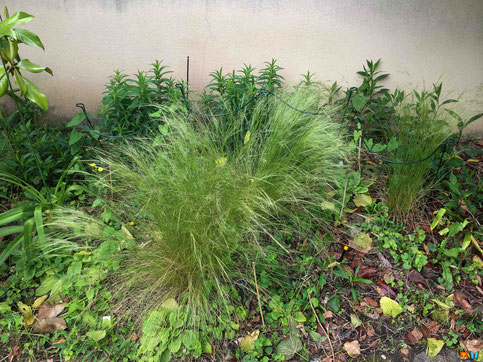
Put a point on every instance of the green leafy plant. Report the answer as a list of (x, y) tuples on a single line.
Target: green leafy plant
[(201, 208), (351, 278), (128, 102), (228, 92), (29, 218), (13, 65)]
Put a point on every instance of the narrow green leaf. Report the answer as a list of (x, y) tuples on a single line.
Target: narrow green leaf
[(3, 84), (449, 101), (10, 247), (472, 119), (438, 217), (20, 82), (466, 241), (39, 223), (18, 18), (5, 30), (27, 233), (454, 115), (14, 215), (9, 230), (32, 67), (36, 96), (27, 37)]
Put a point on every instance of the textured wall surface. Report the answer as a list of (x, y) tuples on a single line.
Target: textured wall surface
[(419, 41)]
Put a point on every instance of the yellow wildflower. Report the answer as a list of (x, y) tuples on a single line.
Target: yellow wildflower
[(92, 164), (100, 169)]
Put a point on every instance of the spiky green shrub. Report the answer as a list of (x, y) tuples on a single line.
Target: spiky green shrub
[(420, 128), (200, 206)]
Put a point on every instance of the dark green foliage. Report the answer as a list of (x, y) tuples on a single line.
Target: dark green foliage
[(128, 102)]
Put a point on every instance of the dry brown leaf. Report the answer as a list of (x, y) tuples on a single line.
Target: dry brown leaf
[(366, 272), (415, 335), (459, 301), (370, 330), (134, 337), (370, 301), (352, 348), (50, 311), (430, 329), (49, 325), (59, 341), (472, 345), (415, 277), (15, 353), (404, 351), (328, 314)]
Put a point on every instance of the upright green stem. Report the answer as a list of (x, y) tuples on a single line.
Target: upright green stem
[(36, 156)]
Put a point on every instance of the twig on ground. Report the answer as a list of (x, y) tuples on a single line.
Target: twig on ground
[(343, 199), (272, 237), (323, 328), (258, 295)]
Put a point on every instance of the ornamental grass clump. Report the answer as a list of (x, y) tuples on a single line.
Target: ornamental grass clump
[(201, 199), (420, 129)]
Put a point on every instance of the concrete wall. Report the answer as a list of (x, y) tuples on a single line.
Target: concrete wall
[(419, 41)]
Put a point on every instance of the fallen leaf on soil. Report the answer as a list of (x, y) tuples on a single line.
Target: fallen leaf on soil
[(134, 337), (49, 325), (477, 259), (366, 272), (370, 330), (362, 200), (352, 348), (430, 329), (247, 342), (28, 316), (370, 301), (390, 307), (39, 301), (415, 277), (14, 354), (50, 311), (384, 290), (328, 314), (355, 321), (384, 262), (415, 335), (410, 308), (459, 301), (472, 345), (404, 351), (47, 321), (361, 242), (434, 347), (374, 344), (59, 341)]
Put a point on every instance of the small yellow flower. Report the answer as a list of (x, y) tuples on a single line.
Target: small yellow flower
[(92, 164), (131, 223), (346, 247), (100, 169)]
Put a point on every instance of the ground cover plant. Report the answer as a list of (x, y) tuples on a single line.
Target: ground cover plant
[(276, 232)]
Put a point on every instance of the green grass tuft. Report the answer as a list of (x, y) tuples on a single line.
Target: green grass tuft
[(201, 199)]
